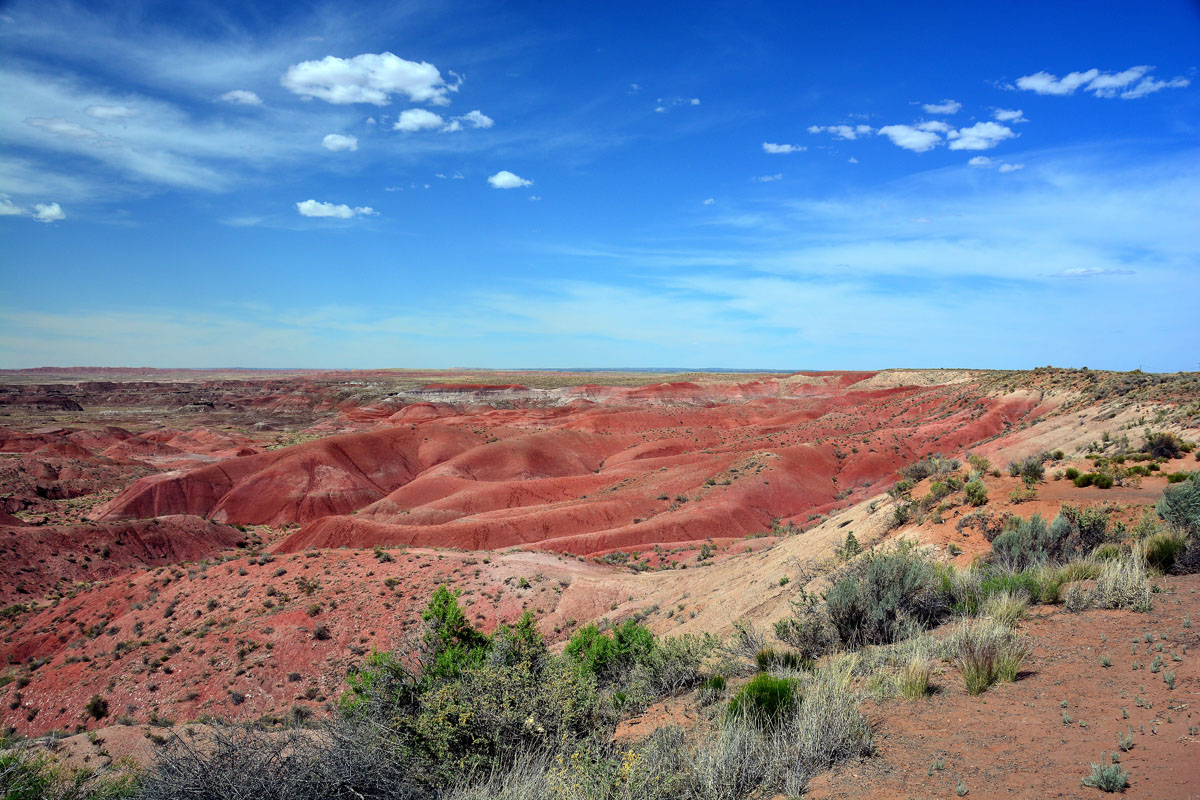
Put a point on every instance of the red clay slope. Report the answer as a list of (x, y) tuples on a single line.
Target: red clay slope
[(294, 484), (37, 559), (647, 465)]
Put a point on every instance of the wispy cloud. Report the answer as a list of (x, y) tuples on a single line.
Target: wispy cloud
[(1128, 84)]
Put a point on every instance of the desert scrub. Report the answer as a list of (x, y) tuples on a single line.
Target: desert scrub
[(885, 596), (1107, 777), (986, 652)]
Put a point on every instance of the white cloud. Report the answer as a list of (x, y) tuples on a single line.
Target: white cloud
[(507, 180), (771, 147), (984, 162), (709, 201), (1045, 83), (1009, 115), (1150, 85), (1128, 84), (337, 142), (695, 101), (911, 138), (533, 198), (64, 128), (842, 131), (944, 107), (934, 125), (368, 78), (315, 208), (1090, 272), (241, 97), (110, 112), (48, 212), (778, 176), (980, 136), (477, 119), (853, 160), (417, 119)]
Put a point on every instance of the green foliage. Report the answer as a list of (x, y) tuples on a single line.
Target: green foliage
[(765, 700), (610, 657), (880, 599), (455, 645), (1071, 473), (934, 465), (976, 492)]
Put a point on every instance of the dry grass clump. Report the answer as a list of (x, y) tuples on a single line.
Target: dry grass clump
[(986, 652), (915, 677), (1006, 607), (1120, 583)]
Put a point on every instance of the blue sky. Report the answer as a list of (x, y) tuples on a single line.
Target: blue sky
[(782, 185)]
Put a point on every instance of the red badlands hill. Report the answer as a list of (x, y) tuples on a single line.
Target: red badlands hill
[(646, 465)]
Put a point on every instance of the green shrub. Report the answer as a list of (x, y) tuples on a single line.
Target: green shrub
[(809, 629), (610, 657), (1179, 506), (1071, 473), (1102, 480), (1084, 479), (976, 492), (97, 707), (1027, 544), (765, 700), (1163, 445), (881, 598), (1107, 778)]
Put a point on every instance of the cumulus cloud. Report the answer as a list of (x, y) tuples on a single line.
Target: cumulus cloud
[(338, 142), (368, 78), (1128, 84), (709, 201), (944, 107), (1009, 115), (934, 125), (474, 119), (110, 112), (241, 97), (417, 119), (778, 176), (315, 208), (911, 138), (981, 161), (507, 180), (980, 136), (663, 105), (771, 147), (1011, 167), (48, 212), (477, 119), (842, 131)]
